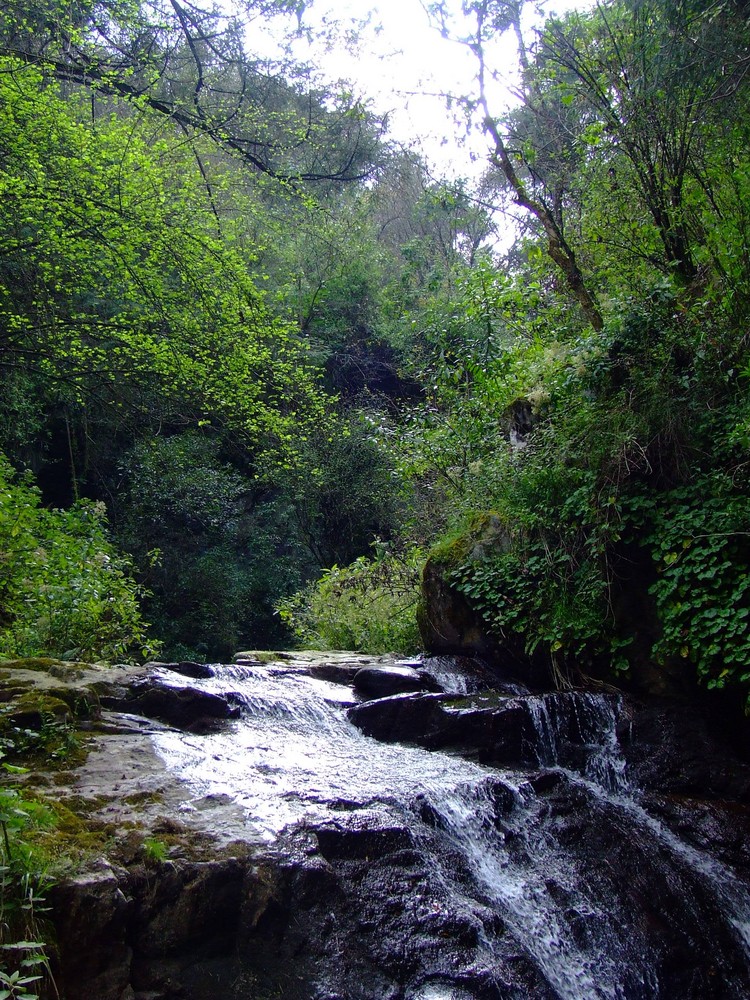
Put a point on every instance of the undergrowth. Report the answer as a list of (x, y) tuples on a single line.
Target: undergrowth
[(369, 606)]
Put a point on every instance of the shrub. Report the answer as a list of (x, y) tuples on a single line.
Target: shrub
[(65, 590), (216, 551), (369, 606)]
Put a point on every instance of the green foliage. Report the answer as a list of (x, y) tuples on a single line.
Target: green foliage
[(116, 292), (699, 541), (65, 590), (23, 957), (216, 551), (543, 582), (369, 606), (155, 849), (54, 739), (344, 487), (617, 422)]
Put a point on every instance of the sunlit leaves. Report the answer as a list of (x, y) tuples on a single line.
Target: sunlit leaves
[(113, 281)]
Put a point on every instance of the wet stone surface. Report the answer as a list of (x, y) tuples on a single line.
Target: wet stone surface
[(486, 845)]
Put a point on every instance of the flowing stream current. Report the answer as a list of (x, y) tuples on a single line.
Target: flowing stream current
[(563, 872)]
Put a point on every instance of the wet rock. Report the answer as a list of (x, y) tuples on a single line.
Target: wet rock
[(187, 668), (381, 681), (471, 884), (718, 827), (92, 946), (377, 924), (183, 707), (499, 733), (447, 622), (669, 746), (462, 675), (543, 729), (171, 932), (361, 842), (337, 673)]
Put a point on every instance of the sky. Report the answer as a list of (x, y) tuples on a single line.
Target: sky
[(404, 66)]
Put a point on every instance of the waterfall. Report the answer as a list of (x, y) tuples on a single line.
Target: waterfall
[(538, 848)]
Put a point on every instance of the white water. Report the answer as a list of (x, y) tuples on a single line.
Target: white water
[(295, 757)]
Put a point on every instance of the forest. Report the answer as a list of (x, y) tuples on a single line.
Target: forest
[(374, 542), (260, 366)]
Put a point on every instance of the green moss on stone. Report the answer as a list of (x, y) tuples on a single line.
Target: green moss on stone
[(479, 532)]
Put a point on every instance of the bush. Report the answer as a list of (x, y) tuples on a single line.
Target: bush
[(65, 590), (698, 540), (369, 606), (216, 552)]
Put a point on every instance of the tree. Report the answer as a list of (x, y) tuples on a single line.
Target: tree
[(650, 75), (620, 114), (188, 64), (491, 18), (116, 294)]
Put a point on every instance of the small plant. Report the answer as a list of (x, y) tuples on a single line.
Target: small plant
[(154, 849), (18, 985), (23, 960)]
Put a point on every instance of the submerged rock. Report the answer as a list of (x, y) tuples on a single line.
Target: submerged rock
[(188, 668)]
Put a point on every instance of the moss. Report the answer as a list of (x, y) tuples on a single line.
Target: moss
[(32, 663), (12, 688), (58, 840), (83, 704), (136, 798), (38, 704), (479, 531), (263, 655), (488, 699), (44, 664)]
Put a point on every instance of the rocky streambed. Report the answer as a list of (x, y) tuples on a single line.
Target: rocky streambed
[(335, 827)]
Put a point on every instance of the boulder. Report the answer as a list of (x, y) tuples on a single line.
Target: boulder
[(558, 728), (188, 668), (448, 622), (183, 707), (380, 681)]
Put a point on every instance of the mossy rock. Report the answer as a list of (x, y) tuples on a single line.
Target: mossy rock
[(448, 621), (83, 704), (33, 708), (62, 669), (263, 655), (484, 534), (11, 688), (69, 838)]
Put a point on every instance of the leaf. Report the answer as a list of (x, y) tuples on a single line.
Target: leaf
[(23, 945)]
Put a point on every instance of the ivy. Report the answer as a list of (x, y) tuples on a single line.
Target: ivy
[(699, 539)]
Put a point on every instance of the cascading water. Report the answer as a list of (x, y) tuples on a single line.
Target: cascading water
[(539, 850)]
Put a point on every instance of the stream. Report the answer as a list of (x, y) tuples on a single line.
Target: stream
[(544, 878)]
